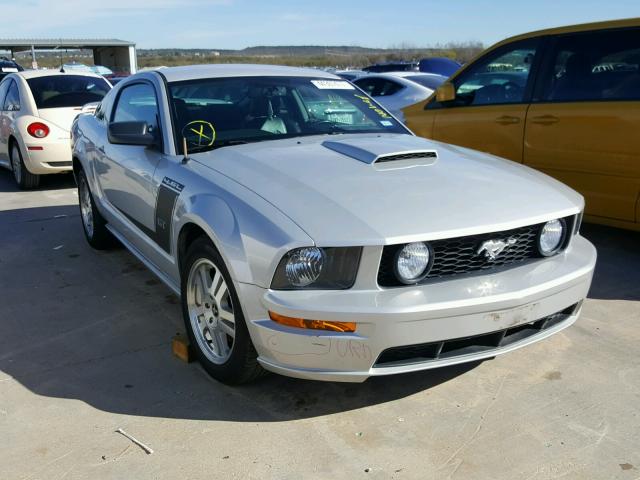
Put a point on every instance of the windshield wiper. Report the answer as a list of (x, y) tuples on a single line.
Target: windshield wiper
[(227, 143), (223, 143)]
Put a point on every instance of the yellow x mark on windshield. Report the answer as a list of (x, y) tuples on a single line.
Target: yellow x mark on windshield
[(201, 134), (194, 133)]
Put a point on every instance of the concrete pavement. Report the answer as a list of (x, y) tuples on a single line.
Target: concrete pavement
[(85, 349)]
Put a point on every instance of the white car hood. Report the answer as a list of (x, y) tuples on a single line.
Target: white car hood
[(339, 200)]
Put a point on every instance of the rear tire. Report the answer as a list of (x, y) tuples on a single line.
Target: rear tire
[(23, 177), (213, 317), (93, 223)]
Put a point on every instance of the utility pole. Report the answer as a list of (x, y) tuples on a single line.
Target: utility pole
[(34, 62)]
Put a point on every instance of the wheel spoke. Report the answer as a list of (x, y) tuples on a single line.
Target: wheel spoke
[(228, 316), (214, 285), (221, 343), (221, 292), (204, 284), (225, 328)]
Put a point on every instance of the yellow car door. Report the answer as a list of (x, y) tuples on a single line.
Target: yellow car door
[(584, 121), (490, 104)]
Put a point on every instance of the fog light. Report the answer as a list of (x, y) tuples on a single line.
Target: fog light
[(412, 262), (551, 237)]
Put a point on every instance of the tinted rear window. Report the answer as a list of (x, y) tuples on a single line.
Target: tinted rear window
[(58, 91), (429, 81), (595, 66)]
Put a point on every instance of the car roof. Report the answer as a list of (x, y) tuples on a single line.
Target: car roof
[(27, 74), (408, 74), (395, 75), (194, 72), (583, 27), (400, 79)]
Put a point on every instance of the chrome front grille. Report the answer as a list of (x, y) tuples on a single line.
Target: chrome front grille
[(458, 256)]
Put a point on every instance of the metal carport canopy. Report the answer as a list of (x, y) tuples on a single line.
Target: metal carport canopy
[(118, 55)]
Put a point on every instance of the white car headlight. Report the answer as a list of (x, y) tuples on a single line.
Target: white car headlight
[(412, 262), (304, 266), (551, 237), (314, 268)]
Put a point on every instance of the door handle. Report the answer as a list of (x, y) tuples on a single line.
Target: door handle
[(101, 148), (507, 120), (545, 119)]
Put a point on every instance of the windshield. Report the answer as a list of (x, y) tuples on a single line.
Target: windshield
[(212, 113), (429, 81), (59, 91)]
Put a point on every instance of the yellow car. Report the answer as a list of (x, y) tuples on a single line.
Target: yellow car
[(565, 101)]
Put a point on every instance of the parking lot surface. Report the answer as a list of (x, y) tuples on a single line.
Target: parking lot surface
[(85, 349)]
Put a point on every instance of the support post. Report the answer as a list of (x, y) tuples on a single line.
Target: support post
[(34, 62)]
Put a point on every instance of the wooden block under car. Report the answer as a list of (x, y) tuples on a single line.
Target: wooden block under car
[(181, 348)]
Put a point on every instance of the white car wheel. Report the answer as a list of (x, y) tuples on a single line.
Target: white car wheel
[(213, 317), (24, 178), (93, 224)]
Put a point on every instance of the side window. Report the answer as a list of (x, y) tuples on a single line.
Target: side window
[(367, 84), (378, 87), (499, 78), (137, 103), (4, 86), (594, 66), (12, 100), (388, 87)]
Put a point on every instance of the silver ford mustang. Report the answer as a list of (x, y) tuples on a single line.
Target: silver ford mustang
[(309, 233)]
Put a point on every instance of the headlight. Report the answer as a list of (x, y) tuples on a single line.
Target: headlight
[(304, 266), (317, 268), (412, 262), (551, 237)]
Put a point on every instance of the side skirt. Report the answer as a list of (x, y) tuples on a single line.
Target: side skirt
[(136, 253)]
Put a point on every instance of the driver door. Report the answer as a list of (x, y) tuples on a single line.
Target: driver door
[(492, 98), (126, 171)]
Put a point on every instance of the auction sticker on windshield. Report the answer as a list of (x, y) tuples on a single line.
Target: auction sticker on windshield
[(332, 85)]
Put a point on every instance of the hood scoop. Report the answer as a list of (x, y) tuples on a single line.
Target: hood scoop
[(386, 152), (419, 155)]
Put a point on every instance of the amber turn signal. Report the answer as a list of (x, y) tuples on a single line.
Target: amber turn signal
[(312, 324)]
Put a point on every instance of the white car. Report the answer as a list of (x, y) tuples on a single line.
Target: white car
[(308, 232), (37, 109), (398, 90)]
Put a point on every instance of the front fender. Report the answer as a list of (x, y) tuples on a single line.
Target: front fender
[(250, 234)]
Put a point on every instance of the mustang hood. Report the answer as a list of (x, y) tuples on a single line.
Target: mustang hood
[(385, 189)]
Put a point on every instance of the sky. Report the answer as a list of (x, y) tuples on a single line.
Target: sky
[(235, 24)]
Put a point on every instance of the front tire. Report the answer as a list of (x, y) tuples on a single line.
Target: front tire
[(213, 317), (23, 177), (93, 224)]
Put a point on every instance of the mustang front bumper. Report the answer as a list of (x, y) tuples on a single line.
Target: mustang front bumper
[(420, 327)]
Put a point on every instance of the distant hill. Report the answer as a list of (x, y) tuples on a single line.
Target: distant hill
[(309, 50), (335, 56)]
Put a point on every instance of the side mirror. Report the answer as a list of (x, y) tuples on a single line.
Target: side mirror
[(446, 93), (130, 133), (89, 107)]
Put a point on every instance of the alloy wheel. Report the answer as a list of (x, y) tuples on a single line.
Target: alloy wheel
[(85, 207), (211, 311), (15, 164)]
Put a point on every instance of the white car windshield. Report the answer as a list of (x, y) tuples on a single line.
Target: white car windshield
[(211, 113)]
